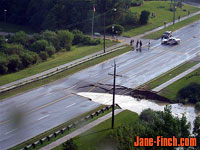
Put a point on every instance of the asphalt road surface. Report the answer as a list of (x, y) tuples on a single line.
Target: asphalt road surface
[(53, 104)]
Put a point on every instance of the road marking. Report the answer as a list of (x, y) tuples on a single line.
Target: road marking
[(70, 105), (10, 131), (72, 87), (21, 105), (43, 117)]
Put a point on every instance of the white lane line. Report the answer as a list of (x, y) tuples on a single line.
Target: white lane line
[(70, 105), (21, 105), (10, 131), (72, 87), (43, 117)]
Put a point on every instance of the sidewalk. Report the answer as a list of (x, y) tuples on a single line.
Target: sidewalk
[(124, 40), (164, 85), (80, 130)]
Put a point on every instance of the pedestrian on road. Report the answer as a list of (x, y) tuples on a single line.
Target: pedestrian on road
[(188, 12), (140, 43), (137, 45), (149, 43), (131, 42), (179, 17)]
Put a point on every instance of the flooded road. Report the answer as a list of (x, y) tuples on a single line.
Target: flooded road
[(132, 104)]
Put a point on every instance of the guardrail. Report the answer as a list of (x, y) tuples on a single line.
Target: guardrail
[(67, 128), (58, 70)]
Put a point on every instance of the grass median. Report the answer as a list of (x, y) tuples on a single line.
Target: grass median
[(51, 131), (58, 59), (163, 13), (95, 137), (63, 74), (158, 34), (172, 90), (168, 75)]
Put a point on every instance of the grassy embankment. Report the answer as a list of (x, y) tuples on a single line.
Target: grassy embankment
[(163, 13), (63, 74), (158, 34), (56, 60), (96, 136), (172, 90)]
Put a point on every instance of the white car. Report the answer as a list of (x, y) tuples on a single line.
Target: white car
[(171, 41)]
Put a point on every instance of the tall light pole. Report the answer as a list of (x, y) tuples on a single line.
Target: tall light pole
[(104, 32), (93, 20), (174, 9), (5, 11)]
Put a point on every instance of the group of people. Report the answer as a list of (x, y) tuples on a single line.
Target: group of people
[(138, 45)]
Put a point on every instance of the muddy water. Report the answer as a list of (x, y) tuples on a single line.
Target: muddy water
[(132, 104)]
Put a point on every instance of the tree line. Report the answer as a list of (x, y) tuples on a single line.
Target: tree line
[(20, 50), (68, 14)]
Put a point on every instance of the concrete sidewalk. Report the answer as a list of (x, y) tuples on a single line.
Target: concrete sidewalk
[(164, 85), (80, 130), (125, 40)]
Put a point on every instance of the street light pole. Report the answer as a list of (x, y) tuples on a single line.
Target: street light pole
[(5, 11), (104, 29), (174, 13)]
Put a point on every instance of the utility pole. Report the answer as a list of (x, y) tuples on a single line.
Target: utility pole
[(104, 35), (104, 27), (174, 9), (5, 11), (93, 21), (113, 105)]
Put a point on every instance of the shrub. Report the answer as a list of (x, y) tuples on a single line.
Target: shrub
[(137, 2), (88, 41), (43, 55), (78, 37), (14, 63), (197, 106), (28, 58), (50, 50), (39, 45), (144, 17), (70, 145), (117, 29), (11, 49), (3, 65), (19, 37), (65, 38), (191, 93)]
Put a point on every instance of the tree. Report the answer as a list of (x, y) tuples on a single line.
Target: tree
[(184, 127), (144, 17), (13, 48), (147, 115), (28, 58), (70, 145), (78, 37), (39, 45), (196, 130), (65, 38)]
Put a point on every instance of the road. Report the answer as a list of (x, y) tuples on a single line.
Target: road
[(55, 103)]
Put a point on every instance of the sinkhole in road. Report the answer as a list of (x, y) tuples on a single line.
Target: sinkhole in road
[(138, 105)]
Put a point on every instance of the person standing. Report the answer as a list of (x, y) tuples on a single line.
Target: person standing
[(137, 45), (149, 44)]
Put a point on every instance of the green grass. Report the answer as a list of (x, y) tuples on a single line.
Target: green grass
[(8, 27), (62, 74), (172, 90), (168, 75), (93, 137), (51, 131), (58, 59), (158, 34), (163, 13)]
